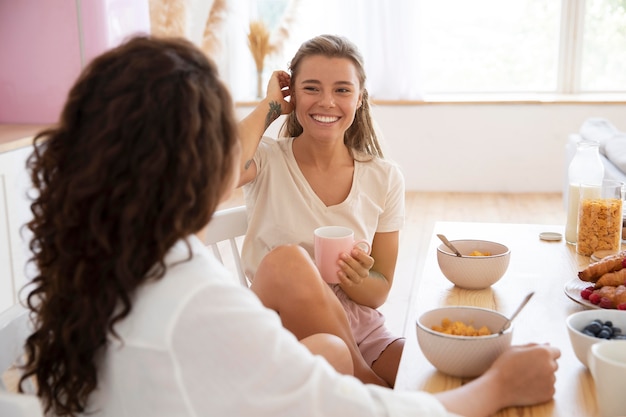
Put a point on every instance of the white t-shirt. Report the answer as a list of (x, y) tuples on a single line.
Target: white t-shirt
[(198, 344), (283, 208)]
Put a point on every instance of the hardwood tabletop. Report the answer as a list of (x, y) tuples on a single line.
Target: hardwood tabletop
[(536, 265)]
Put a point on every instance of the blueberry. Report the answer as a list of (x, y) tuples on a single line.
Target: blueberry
[(603, 329), (594, 327)]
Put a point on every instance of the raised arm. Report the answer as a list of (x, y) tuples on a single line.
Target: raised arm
[(252, 127)]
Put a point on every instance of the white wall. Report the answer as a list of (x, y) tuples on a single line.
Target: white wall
[(482, 147), (14, 213)]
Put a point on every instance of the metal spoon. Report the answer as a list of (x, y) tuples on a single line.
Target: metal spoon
[(448, 244), (508, 322)]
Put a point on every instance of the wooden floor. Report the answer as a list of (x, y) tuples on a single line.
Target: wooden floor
[(424, 209)]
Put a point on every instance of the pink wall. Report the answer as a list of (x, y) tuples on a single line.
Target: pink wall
[(44, 44)]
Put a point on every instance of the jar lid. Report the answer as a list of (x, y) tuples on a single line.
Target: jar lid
[(552, 236), (601, 254)]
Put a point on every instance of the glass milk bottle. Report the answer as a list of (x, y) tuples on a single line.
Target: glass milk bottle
[(586, 167)]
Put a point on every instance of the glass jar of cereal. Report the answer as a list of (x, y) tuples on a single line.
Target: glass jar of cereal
[(600, 218)]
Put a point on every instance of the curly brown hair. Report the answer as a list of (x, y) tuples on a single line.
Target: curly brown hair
[(361, 135), (142, 154)]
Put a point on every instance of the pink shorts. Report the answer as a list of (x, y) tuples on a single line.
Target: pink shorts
[(367, 325)]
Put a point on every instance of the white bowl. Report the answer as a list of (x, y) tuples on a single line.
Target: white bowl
[(576, 322), (462, 356), (473, 272)]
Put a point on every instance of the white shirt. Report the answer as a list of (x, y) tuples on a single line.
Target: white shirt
[(197, 344), (283, 208)]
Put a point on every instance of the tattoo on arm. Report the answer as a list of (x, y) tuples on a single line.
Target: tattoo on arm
[(274, 112)]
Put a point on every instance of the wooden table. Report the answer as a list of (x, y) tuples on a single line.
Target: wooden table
[(536, 265)]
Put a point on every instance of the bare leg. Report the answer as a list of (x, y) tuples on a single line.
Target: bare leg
[(386, 366), (288, 282), (333, 349)]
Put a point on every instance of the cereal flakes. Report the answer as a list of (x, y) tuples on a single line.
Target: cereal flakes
[(599, 225)]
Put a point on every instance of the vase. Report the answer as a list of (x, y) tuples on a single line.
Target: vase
[(259, 84)]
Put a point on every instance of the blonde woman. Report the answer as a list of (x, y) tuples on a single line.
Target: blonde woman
[(328, 169)]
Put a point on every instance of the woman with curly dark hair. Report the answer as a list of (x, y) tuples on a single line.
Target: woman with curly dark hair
[(133, 315), (131, 312), (140, 159)]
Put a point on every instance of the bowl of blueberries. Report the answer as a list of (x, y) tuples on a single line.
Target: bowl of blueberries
[(588, 327)]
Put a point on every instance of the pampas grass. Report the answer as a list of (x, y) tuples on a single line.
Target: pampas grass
[(280, 34), (211, 43), (263, 43), (168, 17), (259, 43)]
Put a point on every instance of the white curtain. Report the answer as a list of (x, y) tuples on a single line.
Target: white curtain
[(385, 32)]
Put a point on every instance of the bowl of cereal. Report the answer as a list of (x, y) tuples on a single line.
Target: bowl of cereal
[(462, 341), (588, 327), (481, 265)]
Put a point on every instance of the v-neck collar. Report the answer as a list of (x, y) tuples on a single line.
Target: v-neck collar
[(300, 174)]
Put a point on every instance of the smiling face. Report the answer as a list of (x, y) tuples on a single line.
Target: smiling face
[(326, 93)]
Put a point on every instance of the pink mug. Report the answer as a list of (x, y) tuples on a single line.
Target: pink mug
[(330, 242)]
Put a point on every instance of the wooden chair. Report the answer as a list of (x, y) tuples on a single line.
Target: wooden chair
[(225, 229), (19, 405), (14, 329)]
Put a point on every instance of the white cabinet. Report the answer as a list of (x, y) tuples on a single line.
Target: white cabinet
[(6, 284), (14, 214)]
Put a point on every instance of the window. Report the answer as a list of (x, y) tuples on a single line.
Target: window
[(604, 46), (418, 48), (489, 46)]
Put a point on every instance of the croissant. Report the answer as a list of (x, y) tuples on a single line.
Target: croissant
[(594, 271), (612, 279), (611, 297)]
